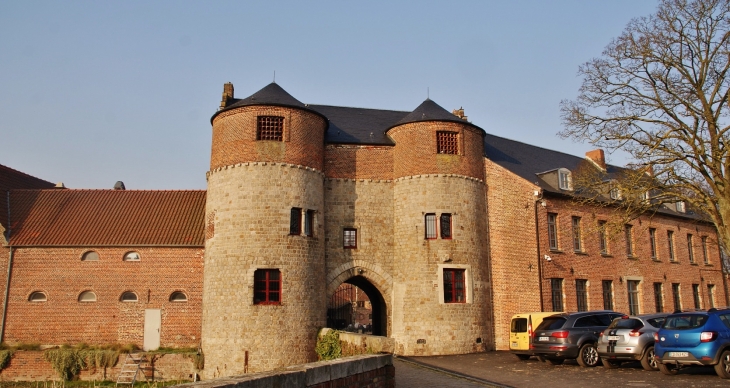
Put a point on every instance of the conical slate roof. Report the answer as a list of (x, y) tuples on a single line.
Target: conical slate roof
[(431, 111), (271, 94)]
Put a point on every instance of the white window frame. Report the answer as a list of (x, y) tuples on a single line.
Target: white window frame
[(565, 180), (469, 283)]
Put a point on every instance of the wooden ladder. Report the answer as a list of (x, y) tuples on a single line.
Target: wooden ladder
[(131, 369)]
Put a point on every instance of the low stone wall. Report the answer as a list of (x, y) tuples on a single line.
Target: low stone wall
[(367, 370), (26, 365), (354, 343)]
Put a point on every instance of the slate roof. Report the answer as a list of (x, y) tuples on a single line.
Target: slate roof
[(271, 94), (107, 218), (14, 179), (431, 111), (358, 125)]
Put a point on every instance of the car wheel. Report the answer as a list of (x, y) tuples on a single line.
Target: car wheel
[(555, 361), (608, 364), (588, 355), (669, 369), (648, 362), (723, 367), (523, 357)]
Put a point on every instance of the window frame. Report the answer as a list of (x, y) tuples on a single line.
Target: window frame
[(581, 294), (629, 237), (91, 253), (129, 256), (602, 238), (266, 289), (445, 226), (677, 294), (452, 291), (266, 128), (136, 297), (552, 229), (565, 180), (172, 298), (31, 298), (705, 256), (634, 298), (87, 292), (556, 292), (652, 243), (447, 142), (577, 235), (308, 223), (432, 232), (670, 245), (295, 221), (659, 297), (607, 286), (711, 295), (697, 298), (353, 239), (690, 248)]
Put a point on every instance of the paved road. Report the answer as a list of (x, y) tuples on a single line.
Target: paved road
[(504, 369)]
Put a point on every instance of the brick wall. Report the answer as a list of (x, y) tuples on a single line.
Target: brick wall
[(358, 162), (234, 138), (512, 247), (62, 276)]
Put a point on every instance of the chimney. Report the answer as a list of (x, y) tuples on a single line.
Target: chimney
[(597, 157), (60, 185), (119, 185), (227, 94), (459, 113)]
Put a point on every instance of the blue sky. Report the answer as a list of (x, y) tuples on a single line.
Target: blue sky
[(96, 92)]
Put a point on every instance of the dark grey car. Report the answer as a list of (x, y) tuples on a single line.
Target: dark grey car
[(572, 335)]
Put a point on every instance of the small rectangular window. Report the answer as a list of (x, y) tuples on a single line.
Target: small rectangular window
[(295, 221), (602, 239), (309, 223), (267, 286), (607, 294), (690, 249), (677, 297), (349, 238), (445, 226), (454, 285), (447, 142), (552, 224), (659, 297), (633, 288), (704, 250), (270, 128), (652, 242), (581, 293), (670, 242), (576, 235), (711, 295), (430, 226), (556, 291), (696, 296), (629, 241)]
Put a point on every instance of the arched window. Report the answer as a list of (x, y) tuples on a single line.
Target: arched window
[(90, 256), (128, 296), (87, 296), (178, 296), (37, 296), (131, 256), (564, 179)]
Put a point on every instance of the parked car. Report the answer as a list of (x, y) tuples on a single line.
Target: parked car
[(694, 338), (630, 338), (521, 330), (572, 335)]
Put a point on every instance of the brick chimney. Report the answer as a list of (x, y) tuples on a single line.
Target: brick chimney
[(227, 94), (598, 158), (459, 113)]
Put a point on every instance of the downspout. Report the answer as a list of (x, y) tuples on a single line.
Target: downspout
[(537, 239), (7, 279)]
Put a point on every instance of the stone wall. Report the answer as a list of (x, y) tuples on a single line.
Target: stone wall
[(365, 371), (62, 276)]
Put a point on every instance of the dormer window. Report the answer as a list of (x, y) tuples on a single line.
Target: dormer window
[(564, 180), (270, 128), (615, 193), (446, 143), (681, 206)]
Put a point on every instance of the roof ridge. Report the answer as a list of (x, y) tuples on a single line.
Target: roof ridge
[(356, 107)]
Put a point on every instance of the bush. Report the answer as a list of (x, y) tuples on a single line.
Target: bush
[(328, 345)]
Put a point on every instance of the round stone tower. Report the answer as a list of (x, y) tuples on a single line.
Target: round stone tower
[(440, 292), (263, 287)]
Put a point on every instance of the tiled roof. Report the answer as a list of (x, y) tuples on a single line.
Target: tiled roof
[(12, 179), (107, 218)]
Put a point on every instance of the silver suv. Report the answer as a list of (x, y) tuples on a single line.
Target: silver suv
[(571, 335), (630, 338)]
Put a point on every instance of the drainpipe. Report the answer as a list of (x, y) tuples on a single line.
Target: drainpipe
[(537, 239), (7, 294)]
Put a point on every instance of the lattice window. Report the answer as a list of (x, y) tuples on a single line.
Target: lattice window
[(447, 143), (446, 226), (349, 238), (267, 286), (430, 226), (270, 128), (454, 285)]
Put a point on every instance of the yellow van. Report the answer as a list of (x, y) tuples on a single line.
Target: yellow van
[(520, 332)]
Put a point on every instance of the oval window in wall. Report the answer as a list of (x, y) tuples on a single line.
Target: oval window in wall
[(37, 296), (178, 296), (90, 256), (87, 296), (131, 256), (128, 296)]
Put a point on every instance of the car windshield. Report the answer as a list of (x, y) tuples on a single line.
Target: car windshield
[(685, 322), (551, 323), (629, 323)]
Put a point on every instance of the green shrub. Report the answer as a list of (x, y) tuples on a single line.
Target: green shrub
[(5, 358), (66, 361), (328, 345)]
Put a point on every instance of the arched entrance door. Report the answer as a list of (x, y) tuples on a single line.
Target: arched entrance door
[(358, 306)]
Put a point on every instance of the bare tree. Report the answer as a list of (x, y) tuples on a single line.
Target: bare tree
[(659, 92)]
